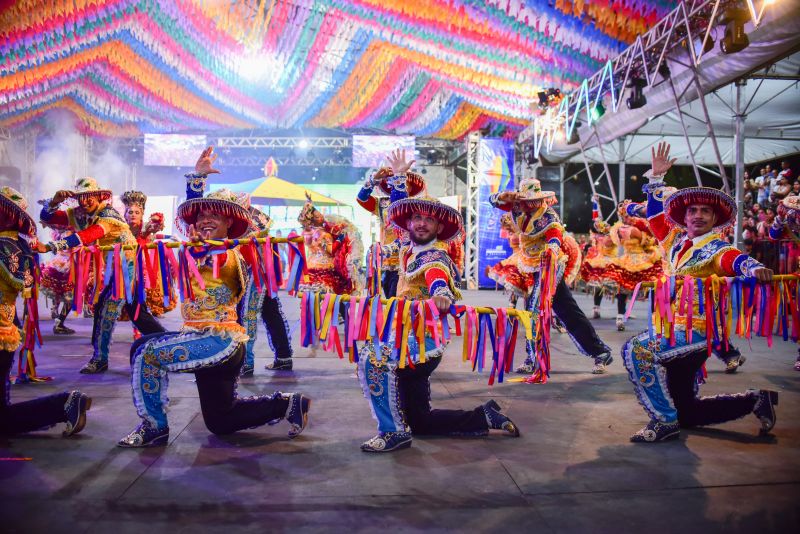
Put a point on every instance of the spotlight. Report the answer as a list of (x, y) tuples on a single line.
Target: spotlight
[(303, 144), (597, 111), (637, 98), (542, 99), (424, 170), (735, 39)]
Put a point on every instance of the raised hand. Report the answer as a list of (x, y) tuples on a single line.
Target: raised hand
[(660, 159), (205, 164), (398, 162), (194, 235), (507, 196), (60, 197)]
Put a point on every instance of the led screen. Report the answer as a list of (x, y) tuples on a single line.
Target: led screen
[(371, 150), (173, 150)]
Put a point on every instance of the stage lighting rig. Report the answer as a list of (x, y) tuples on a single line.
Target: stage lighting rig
[(735, 39), (597, 111), (636, 99)]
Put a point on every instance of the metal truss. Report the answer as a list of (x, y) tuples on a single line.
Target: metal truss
[(235, 160), (692, 21), (284, 142), (472, 243)]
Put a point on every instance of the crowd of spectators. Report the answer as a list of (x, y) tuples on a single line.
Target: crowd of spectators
[(762, 194)]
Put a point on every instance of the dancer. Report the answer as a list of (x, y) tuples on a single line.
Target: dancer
[(506, 272), (333, 251), (96, 221), (688, 226), (401, 397), (393, 188), (638, 259), (596, 264), (17, 276), (787, 226), (135, 203), (56, 285), (541, 229), (211, 342)]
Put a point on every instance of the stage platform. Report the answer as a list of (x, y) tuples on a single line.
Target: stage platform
[(573, 469)]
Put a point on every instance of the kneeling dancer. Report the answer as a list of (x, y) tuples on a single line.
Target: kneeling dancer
[(211, 343), (17, 265), (688, 225), (401, 398)]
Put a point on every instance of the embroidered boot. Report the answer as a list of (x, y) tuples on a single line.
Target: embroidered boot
[(75, 409), (387, 442), (145, 436), (600, 363), (499, 421), (657, 431), (765, 409), (297, 413)]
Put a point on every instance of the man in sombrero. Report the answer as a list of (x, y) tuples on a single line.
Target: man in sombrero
[(255, 304), (787, 226), (401, 397), (211, 342), (688, 224), (95, 221), (541, 230), (17, 266), (394, 188)]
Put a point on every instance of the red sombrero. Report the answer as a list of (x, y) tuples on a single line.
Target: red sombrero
[(86, 187), (676, 204), (224, 202), (13, 207), (415, 183), (401, 211)]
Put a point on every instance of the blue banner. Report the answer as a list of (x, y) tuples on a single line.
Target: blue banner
[(495, 173)]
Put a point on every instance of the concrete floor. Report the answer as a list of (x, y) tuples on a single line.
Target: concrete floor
[(573, 469)]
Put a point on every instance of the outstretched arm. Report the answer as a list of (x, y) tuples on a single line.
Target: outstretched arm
[(655, 191), (196, 181)]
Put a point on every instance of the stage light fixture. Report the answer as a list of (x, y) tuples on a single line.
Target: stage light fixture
[(735, 39), (542, 99), (597, 111), (303, 144), (664, 71), (636, 99)]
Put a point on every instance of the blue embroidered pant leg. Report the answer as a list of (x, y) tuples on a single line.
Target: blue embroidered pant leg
[(153, 356), (379, 384), (251, 305), (665, 381)]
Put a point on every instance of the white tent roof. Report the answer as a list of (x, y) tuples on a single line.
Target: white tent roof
[(772, 124)]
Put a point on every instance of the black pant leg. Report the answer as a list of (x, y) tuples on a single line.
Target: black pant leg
[(30, 415), (223, 411), (144, 322), (699, 411), (598, 296), (415, 398), (578, 326), (622, 299), (97, 317), (389, 283), (277, 327)]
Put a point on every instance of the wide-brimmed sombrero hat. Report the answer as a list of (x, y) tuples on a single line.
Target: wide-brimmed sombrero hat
[(531, 197), (224, 202), (85, 187), (400, 213), (415, 183), (677, 203), (14, 207)]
